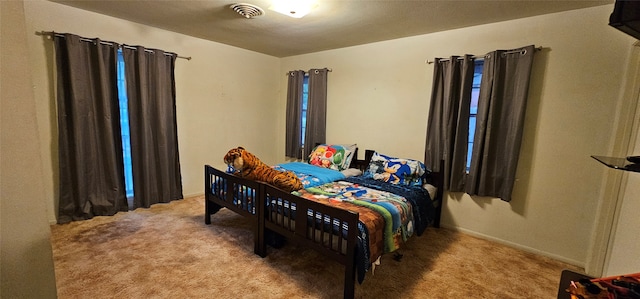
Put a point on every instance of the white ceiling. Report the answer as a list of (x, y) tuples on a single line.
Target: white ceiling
[(332, 24)]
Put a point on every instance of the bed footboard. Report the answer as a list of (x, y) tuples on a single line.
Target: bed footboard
[(329, 230), (237, 194)]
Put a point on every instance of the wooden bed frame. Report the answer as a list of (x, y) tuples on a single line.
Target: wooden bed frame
[(333, 241)]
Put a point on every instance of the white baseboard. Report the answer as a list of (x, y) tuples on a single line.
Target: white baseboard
[(193, 195), (517, 246)]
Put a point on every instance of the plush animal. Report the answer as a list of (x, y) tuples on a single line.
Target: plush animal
[(246, 165)]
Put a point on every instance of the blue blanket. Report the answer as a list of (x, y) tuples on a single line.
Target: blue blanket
[(311, 175)]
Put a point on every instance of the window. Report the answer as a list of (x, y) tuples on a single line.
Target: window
[(475, 93), (305, 99), (306, 112), (124, 126)]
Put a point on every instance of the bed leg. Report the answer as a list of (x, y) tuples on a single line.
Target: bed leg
[(210, 208), (207, 202), (436, 220), (207, 214), (259, 242), (260, 245), (349, 281)]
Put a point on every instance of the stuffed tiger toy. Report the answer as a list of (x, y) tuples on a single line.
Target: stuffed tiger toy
[(249, 166)]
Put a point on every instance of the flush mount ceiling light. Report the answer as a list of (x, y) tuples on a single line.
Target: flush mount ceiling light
[(247, 10), (293, 8)]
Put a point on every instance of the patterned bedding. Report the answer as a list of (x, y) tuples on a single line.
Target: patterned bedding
[(395, 212), (421, 201), (387, 218)]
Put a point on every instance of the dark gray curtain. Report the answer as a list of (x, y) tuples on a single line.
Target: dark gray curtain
[(448, 124), (90, 147), (500, 122), (152, 121), (293, 143), (316, 128)]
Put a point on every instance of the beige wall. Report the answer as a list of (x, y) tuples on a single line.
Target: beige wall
[(223, 93), (378, 97), (625, 239), (26, 264), (626, 225)]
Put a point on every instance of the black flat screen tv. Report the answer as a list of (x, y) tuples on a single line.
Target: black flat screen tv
[(626, 17)]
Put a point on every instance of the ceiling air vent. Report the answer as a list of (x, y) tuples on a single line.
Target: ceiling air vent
[(247, 10)]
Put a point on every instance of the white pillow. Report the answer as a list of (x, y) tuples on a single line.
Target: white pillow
[(352, 151), (351, 172), (431, 189)]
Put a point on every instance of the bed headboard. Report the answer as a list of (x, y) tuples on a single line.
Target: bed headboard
[(362, 164)]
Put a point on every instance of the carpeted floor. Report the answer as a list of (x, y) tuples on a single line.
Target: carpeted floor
[(167, 251)]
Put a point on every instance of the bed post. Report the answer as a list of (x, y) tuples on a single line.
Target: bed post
[(368, 154), (350, 255), (207, 204), (260, 243), (350, 279), (439, 180), (210, 207)]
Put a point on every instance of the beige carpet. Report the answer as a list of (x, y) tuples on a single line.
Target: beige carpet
[(168, 252)]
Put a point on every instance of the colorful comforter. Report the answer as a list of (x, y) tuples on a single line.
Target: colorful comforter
[(423, 208), (395, 211), (387, 218)]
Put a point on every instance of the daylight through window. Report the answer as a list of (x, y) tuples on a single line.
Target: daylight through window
[(124, 126), (473, 109)]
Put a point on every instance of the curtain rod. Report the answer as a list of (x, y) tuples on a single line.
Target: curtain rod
[(328, 70), (51, 34), (475, 56)]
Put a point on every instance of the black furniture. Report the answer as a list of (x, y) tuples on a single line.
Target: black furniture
[(566, 278), (618, 163)]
